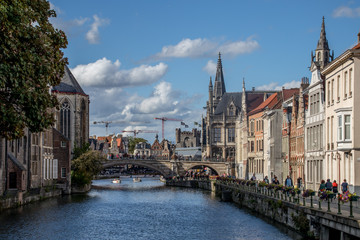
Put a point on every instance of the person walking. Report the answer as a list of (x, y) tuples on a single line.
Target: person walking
[(328, 185), (266, 179), (322, 186), (253, 178), (335, 187), (276, 181), (344, 186), (288, 182), (299, 181)]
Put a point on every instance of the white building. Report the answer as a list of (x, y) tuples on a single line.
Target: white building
[(342, 112)]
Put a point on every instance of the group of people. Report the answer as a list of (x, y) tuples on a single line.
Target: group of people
[(333, 186)]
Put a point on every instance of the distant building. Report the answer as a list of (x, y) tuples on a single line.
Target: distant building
[(186, 139)]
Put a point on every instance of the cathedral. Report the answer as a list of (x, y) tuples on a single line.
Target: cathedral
[(225, 124)]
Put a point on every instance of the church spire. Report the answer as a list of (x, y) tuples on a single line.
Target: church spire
[(322, 51), (219, 84)]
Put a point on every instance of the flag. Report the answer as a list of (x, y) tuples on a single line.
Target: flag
[(196, 123), (182, 123), (186, 126)]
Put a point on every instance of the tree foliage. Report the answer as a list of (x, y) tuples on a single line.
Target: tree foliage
[(85, 167), (31, 61), (78, 151), (133, 141)]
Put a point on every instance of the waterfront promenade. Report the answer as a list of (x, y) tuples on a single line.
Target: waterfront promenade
[(319, 220)]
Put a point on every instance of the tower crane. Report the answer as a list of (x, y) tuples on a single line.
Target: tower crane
[(107, 123), (163, 119), (140, 131)]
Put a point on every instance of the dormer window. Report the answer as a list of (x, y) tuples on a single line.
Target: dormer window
[(231, 110)]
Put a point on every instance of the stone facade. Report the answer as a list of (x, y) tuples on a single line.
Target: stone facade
[(186, 139)]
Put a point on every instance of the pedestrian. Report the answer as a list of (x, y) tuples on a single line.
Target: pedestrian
[(344, 186), (253, 178), (335, 187), (288, 181), (276, 181), (322, 186), (328, 185), (299, 181), (266, 179)]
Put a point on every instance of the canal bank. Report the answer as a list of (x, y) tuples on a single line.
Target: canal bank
[(146, 210), (307, 221)]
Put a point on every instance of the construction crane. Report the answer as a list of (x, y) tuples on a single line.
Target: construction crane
[(107, 123), (135, 132), (163, 119)]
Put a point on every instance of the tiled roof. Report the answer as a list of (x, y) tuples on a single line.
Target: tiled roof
[(269, 102), (68, 84), (357, 46), (288, 93), (254, 99)]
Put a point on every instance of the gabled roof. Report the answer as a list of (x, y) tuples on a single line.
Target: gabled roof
[(288, 93), (16, 162), (269, 102), (356, 46), (68, 84), (255, 98), (225, 101)]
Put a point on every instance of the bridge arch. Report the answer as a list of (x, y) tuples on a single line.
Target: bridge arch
[(159, 167), (198, 164)]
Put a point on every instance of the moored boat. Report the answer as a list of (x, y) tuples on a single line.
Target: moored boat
[(137, 179), (116, 181)]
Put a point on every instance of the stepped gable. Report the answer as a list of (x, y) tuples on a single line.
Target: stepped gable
[(69, 84), (225, 101)]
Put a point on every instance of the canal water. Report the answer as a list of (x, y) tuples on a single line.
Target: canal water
[(145, 210)]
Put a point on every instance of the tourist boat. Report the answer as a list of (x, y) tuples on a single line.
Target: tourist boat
[(116, 181), (137, 179)]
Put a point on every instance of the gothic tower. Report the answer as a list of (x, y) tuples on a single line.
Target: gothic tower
[(219, 84), (322, 52)]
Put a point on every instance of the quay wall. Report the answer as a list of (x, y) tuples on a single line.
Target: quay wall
[(20, 198), (309, 222)]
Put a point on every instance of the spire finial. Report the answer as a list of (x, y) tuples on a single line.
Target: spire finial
[(219, 55), (243, 83)]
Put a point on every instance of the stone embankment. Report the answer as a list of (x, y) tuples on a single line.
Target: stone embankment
[(16, 198), (310, 222)]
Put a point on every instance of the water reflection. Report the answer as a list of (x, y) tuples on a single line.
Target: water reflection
[(145, 210)]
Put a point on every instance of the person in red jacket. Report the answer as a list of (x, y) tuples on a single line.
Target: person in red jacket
[(335, 187)]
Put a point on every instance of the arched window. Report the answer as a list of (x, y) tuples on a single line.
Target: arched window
[(65, 119), (319, 57)]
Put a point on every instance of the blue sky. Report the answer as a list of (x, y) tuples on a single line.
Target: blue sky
[(142, 59)]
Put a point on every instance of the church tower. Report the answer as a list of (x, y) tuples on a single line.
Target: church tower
[(322, 52), (219, 84)]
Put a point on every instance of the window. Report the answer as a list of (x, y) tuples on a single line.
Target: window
[(231, 134), (332, 91), (345, 84), (55, 169), (63, 144), (328, 95), (252, 128), (63, 172), (340, 129), (350, 75), (338, 88), (344, 127), (217, 134), (65, 119), (347, 127)]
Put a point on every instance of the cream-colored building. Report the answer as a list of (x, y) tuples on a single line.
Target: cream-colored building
[(342, 114)]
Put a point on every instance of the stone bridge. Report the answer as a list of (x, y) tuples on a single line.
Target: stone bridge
[(169, 168)]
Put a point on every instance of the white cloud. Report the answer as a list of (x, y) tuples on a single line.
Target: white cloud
[(202, 47), (344, 11), (118, 105), (104, 73), (93, 35), (210, 67), (239, 47), (276, 86)]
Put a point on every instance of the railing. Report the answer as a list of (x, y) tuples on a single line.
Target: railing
[(295, 195), (181, 159)]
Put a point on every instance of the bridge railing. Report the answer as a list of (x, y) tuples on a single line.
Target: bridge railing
[(183, 159)]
